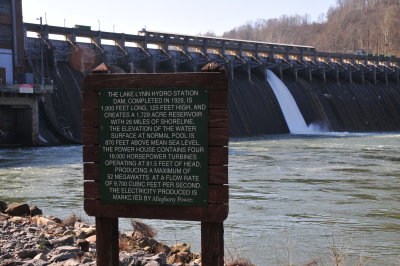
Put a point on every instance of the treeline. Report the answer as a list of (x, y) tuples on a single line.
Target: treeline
[(369, 25)]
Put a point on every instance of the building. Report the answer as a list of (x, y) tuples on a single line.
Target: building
[(19, 122), (11, 41)]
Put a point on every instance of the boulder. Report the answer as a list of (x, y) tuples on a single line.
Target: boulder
[(180, 248), (40, 256), (91, 239), (83, 245), (36, 262), (67, 249), (17, 220), (78, 225), (3, 206), (156, 260), (63, 257), (89, 231), (4, 216), (18, 209), (55, 219), (63, 241), (42, 220), (147, 242), (27, 253), (11, 262), (35, 211)]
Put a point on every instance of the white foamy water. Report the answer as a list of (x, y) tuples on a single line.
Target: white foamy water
[(294, 119)]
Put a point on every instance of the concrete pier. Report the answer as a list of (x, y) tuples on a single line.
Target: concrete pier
[(19, 122)]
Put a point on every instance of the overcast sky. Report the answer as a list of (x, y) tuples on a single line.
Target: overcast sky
[(176, 16)]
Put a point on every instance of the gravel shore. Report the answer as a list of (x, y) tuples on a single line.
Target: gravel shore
[(29, 238)]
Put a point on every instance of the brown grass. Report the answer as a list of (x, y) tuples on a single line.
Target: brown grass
[(240, 262), (141, 229), (126, 243), (72, 219)]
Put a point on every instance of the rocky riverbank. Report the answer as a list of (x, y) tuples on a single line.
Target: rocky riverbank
[(29, 238)]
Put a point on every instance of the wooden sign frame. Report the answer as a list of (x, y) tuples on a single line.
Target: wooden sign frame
[(107, 214)]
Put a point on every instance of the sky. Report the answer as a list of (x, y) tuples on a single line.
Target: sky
[(175, 16)]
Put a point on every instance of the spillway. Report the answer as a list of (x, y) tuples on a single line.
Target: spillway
[(293, 117)]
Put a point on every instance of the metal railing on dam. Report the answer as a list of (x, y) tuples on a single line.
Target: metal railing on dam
[(150, 49)]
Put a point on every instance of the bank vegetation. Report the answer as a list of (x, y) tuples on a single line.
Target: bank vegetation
[(372, 26)]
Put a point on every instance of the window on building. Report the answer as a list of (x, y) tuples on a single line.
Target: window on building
[(5, 33), (5, 6)]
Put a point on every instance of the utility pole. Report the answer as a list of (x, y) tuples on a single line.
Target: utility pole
[(41, 53)]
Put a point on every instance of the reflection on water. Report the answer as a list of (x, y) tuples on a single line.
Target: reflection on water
[(300, 194)]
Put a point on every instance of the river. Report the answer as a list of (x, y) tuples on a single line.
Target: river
[(293, 198)]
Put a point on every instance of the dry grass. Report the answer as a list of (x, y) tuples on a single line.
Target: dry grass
[(235, 257), (72, 219), (240, 262), (141, 229), (126, 243)]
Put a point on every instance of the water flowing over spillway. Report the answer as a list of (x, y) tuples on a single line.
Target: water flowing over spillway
[(290, 110)]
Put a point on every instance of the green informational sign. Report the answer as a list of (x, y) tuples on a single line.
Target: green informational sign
[(154, 146)]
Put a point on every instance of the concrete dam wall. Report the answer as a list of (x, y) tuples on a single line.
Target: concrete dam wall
[(335, 92), (253, 107)]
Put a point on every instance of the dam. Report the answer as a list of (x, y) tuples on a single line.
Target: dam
[(339, 92)]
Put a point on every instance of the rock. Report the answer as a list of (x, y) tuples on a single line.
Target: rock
[(62, 241), (55, 219), (132, 258), (89, 231), (153, 263), (66, 249), (34, 262), (80, 235), (147, 242), (4, 216), (69, 232), (83, 245), (86, 260), (195, 263), (10, 245), (63, 257), (135, 263), (71, 262), (5, 257), (157, 260), (183, 257), (3, 206), (42, 220), (11, 262), (180, 248), (91, 239), (17, 219), (163, 248), (40, 256), (78, 225), (148, 249), (27, 253), (34, 210), (18, 209)]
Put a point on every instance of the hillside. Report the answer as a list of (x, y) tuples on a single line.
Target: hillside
[(369, 25)]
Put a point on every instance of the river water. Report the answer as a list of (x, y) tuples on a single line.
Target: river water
[(292, 198)]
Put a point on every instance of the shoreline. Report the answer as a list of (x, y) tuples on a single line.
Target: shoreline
[(28, 237)]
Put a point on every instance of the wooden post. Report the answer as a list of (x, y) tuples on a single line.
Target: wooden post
[(249, 71), (337, 73), (212, 244), (107, 241)]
